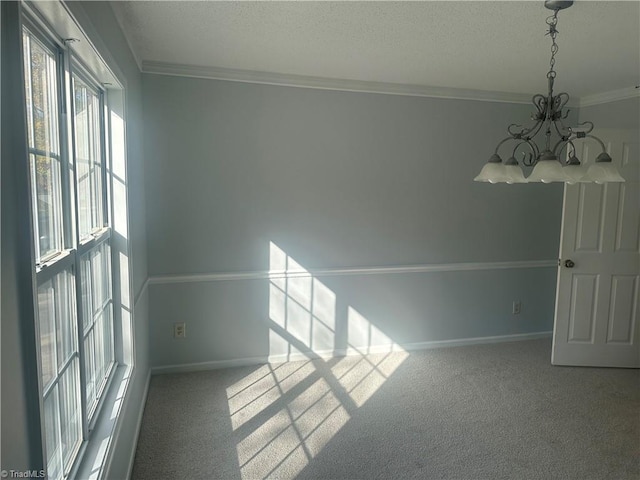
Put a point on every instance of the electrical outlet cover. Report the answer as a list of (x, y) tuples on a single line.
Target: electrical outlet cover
[(517, 307), (179, 330)]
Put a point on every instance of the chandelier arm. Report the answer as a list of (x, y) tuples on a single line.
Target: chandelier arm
[(604, 149), (562, 129), (540, 102), (538, 127), (525, 131), (561, 100), (516, 134), (587, 130), (563, 144), (533, 158), (527, 161), (503, 141)]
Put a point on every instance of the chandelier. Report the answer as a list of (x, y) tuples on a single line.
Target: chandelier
[(546, 156)]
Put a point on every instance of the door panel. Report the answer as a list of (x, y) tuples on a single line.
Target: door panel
[(624, 304), (583, 308), (628, 229), (596, 321), (589, 234)]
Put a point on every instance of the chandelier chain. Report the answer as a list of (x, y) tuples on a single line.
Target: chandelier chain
[(552, 21)]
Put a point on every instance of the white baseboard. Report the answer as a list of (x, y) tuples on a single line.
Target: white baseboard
[(213, 365), (301, 356), (476, 341), (136, 436)]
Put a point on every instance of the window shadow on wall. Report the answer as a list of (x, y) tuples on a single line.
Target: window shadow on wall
[(283, 414)]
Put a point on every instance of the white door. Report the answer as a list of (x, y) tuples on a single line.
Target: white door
[(596, 321)]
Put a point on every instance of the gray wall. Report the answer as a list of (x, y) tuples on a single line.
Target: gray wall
[(20, 450), (623, 114), (335, 179)]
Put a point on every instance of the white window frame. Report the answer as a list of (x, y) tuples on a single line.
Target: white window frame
[(73, 249)]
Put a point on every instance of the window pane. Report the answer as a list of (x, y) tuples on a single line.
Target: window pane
[(66, 317), (44, 98), (48, 219), (95, 271), (46, 324), (84, 190), (108, 337), (41, 91), (99, 280), (97, 204), (70, 415), (88, 157), (60, 370), (87, 292), (106, 249), (90, 372), (99, 349), (52, 434), (95, 267)]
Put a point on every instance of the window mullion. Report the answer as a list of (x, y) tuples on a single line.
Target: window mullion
[(103, 157), (69, 86), (54, 135), (66, 165), (57, 384), (81, 350), (93, 186)]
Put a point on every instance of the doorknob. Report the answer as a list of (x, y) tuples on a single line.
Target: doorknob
[(569, 263)]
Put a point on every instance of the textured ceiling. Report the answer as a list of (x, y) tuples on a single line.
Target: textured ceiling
[(482, 45)]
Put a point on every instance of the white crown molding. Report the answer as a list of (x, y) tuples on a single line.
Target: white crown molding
[(332, 272), (323, 83), (125, 33), (608, 97)]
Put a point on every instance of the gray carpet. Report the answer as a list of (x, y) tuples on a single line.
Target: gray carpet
[(482, 412)]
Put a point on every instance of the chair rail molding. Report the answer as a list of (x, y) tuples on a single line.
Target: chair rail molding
[(341, 271)]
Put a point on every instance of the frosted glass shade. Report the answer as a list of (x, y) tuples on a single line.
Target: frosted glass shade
[(514, 173), (547, 171), (603, 172), (493, 171), (576, 174)]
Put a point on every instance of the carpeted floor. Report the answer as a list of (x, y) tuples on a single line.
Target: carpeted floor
[(496, 411)]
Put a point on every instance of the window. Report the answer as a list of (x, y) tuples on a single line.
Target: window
[(97, 323), (60, 372), (44, 146), (72, 244), (88, 157)]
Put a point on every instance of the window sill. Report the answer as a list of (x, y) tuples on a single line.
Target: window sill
[(94, 453)]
